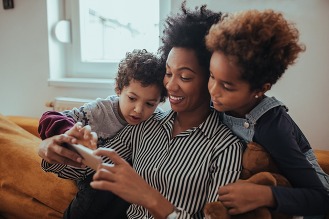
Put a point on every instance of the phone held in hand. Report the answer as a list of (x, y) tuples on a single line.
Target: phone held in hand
[(88, 158)]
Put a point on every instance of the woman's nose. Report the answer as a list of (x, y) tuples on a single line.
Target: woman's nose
[(171, 84)]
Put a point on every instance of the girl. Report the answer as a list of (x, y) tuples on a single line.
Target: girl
[(251, 51)]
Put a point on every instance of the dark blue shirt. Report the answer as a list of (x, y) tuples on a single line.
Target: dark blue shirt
[(281, 137)]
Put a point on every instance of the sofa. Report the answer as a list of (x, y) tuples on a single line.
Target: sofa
[(28, 192)]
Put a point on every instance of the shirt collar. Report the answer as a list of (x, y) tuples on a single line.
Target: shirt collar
[(209, 127)]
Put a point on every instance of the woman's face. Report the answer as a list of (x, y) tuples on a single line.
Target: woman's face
[(228, 92), (186, 81)]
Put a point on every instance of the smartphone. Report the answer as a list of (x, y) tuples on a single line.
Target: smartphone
[(88, 158)]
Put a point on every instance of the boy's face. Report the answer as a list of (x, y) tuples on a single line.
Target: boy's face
[(137, 103)]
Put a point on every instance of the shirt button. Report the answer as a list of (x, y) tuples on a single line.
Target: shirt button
[(155, 169), (246, 125)]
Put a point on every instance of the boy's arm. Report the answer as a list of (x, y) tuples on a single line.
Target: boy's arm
[(53, 123)]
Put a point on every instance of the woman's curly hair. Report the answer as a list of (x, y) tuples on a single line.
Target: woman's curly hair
[(144, 67), (187, 30), (262, 44)]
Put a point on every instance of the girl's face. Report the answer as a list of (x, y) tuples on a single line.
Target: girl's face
[(137, 103), (186, 81), (228, 92)]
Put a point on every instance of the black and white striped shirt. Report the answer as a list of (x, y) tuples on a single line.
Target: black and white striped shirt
[(186, 169)]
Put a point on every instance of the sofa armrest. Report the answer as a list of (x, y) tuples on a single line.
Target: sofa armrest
[(26, 190), (30, 124), (323, 159)]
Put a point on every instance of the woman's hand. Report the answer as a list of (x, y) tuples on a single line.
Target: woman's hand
[(53, 151), (83, 135), (121, 179), (241, 197)]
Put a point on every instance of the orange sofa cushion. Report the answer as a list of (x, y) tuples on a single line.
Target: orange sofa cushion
[(26, 191)]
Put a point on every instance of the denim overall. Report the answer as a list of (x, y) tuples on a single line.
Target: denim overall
[(245, 129)]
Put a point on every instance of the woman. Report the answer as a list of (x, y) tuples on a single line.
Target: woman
[(179, 157)]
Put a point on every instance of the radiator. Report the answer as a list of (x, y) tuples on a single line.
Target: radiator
[(66, 103)]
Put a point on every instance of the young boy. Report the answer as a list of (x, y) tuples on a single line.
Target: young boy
[(139, 89)]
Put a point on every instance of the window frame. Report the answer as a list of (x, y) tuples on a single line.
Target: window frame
[(74, 67)]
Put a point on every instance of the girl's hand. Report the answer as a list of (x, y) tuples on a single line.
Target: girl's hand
[(53, 151), (241, 197), (84, 135)]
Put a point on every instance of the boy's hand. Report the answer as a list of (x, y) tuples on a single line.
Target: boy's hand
[(83, 135)]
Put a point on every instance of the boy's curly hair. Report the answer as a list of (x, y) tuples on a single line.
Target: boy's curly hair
[(144, 67), (187, 30), (262, 44)]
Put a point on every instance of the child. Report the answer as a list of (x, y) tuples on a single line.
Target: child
[(138, 82), (251, 51), (140, 89)]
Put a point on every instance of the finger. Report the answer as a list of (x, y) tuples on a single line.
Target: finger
[(111, 154), (64, 152), (103, 174), (224, 198), (222, 190), (101, 185), (228, 204), (70, 162), (64, 138), (93, 140), (107, 166), (87, 131), (55, 158), (78, 125), (74, 131), (234, 211)]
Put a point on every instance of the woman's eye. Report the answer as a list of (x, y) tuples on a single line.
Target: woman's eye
[(150, 104), (131, 98), (168, 74)]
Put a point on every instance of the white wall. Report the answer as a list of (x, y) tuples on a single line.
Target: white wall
[(24, 62)]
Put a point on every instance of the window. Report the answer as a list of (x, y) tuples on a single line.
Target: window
[(103, 31)]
